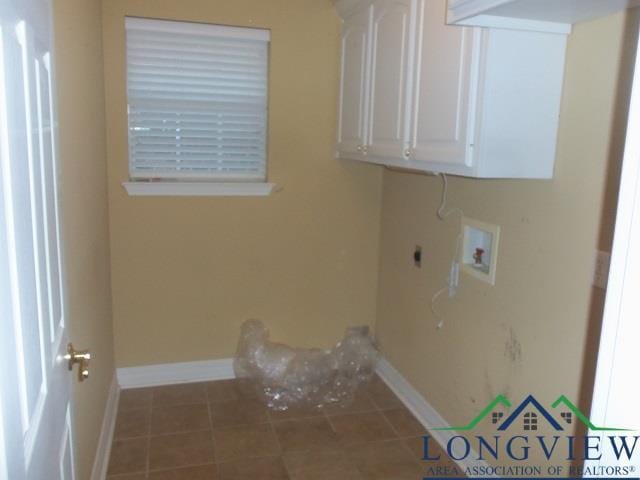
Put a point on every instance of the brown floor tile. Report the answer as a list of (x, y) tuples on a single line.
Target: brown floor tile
[(362, 427), (133, 476), (238, 412), (228, 390), (135, 398), (234, 443), (382, 395), (222, 391), (361, 403), (416, 446), (132, 423), (183, 394), (404, 423), (179, 419), (295, 412), (304, 434), (358, 441), (128, 456), (320, 464), (269, 468), (385, 461), (204, 472), (247, 388), (180, 450)]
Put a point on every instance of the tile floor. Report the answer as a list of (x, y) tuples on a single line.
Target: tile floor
[(220, 431)]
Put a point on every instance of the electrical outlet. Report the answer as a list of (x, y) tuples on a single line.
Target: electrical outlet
[(417, 257), (601, 269)]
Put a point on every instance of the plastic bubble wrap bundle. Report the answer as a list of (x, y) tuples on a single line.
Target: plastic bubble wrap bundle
[(288, 377)]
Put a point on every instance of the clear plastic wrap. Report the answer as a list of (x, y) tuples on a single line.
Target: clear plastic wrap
[(288, 377)]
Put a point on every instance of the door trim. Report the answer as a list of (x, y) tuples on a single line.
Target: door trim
[(614, 391), (103, 450)]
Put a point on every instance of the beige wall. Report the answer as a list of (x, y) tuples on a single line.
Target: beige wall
[(528, 333), (188, 271), (78, 43)]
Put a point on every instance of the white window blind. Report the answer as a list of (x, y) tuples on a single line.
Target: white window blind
[(197, 101)]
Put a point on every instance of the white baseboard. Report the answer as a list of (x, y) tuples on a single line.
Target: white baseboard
[(424, 412), (171, 373), (101, 460)]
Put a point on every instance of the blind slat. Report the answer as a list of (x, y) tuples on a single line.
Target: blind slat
[(252, 94), (151, 124), (168, 66), (193, 40), (199, 176), (201, 109), (175, 155), (203, 81), (197, 101), (247, 53), (196, 136), (191, 163), (231, 74), (201, 61), (150, 93)]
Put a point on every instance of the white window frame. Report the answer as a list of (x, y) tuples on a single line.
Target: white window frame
[(194, 185)]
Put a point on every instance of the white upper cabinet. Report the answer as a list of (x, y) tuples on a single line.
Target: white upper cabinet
[(480, 98), (467, 101), (391, 66), (354, 85), (445, 87)]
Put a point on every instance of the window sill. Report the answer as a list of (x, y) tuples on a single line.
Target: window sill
[(197, 189)]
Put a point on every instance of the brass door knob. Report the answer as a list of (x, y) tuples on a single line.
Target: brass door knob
[(82, 358)]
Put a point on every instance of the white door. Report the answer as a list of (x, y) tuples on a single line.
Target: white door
[(442, 123), (354, 85), (616, 389), (34, 382), (392, 48)]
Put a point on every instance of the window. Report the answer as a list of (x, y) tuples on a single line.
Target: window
[(530, 421), (197, 104)]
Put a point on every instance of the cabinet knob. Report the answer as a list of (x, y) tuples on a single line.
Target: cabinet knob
[(365, 149), (407, 152), (359, 148)]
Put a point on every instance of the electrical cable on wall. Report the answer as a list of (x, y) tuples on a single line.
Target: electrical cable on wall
[(442, 214), (442, 211)]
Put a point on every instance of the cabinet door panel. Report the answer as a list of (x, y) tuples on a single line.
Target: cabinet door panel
[(391, 36), (445, 92), (354, 84)]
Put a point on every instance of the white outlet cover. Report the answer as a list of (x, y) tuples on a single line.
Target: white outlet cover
[(479, 234), (601, 269)]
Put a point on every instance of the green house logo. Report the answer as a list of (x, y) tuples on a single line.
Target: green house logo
[(531, 412)]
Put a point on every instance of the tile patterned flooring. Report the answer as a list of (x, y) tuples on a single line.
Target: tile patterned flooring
[(221, 431)]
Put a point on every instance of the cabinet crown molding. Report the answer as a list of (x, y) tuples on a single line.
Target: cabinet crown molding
[(347, 7)]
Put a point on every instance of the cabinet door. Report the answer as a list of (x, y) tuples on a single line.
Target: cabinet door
[(354, 84), (392, 46), (445, 92)]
